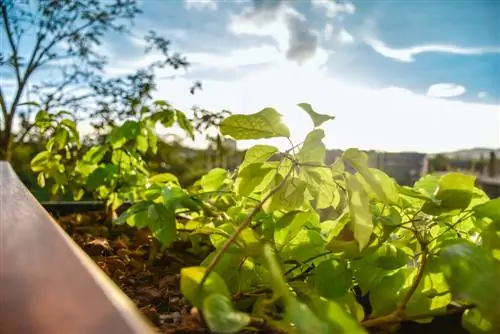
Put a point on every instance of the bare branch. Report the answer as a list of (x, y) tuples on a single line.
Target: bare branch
[(10, 39)]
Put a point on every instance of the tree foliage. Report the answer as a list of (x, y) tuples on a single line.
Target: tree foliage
[(62, 38)]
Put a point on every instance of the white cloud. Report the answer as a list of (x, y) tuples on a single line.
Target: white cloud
[(345, 36), (445, 90), (285, 25), (392, 119), (201, 4), (333, 8), (328, 32), (408, 54), (482, 95)]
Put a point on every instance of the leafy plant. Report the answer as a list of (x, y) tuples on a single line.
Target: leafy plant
[(279, 261), (295, 243), (114, 171)]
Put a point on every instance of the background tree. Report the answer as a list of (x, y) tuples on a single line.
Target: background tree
[(64, 36)]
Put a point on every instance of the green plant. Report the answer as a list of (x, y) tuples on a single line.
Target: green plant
[(293, 238), (114, 171)]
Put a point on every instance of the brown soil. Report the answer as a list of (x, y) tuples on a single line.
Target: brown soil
[(122, 253)]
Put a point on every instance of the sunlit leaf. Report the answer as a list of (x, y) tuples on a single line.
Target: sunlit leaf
[(317, 119), (190, 285), (264, 124), (359, 206), (313, 150), (257, 154), (221, 316)]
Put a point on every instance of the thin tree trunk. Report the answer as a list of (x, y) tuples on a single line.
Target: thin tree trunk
[(6, 141)]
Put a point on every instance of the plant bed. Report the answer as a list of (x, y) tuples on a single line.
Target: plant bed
[(123, 253)]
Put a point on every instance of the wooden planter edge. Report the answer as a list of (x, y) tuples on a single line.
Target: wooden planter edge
[(47, 283)]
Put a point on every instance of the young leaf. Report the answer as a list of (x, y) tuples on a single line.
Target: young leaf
[(220, 316), (313, 150), (119, 136), (40, 161), (214, 180), (190, 285), (455, 192), (289, 197), (184, 123), (317, 119), (164, 178), (288, 226), (264, 124), (359, 207), (257, 154), (383, 186), (254, 178), (94, 155), (321, 186)]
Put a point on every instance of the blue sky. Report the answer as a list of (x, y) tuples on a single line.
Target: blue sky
[(398, 75)]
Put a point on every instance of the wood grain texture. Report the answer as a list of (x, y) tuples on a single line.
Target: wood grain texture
[(47, 283)]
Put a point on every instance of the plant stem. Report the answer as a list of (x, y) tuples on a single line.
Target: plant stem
[(398, 315), (420, 274), (242, 226)]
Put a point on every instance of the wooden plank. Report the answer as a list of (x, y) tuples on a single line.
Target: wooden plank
[(47, 283)]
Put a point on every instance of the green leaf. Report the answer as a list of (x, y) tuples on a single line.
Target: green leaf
[(78, 194), (359, 209), (164, 178), (338, 319), (61, 137), (385, 296), (305, 321), (476, 323), (254, 178), (142, 143), (264, 124), (152, 141), (317, 119), (40, 179), (289, 197), (257, 154), (382, 185), (95, 154), (40, 161), (321, 186), (332, 279), (220, 315), (184, 123), (58, 175), (214, 179), (472, 275), (428, 183), (490, 209), (101, 176), (313, 150), (71, 126), (455, 192), (120, 136), (162, 223), (288, 226), (190, 285)]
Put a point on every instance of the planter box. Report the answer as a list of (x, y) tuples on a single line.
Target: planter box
[(48, 284)]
